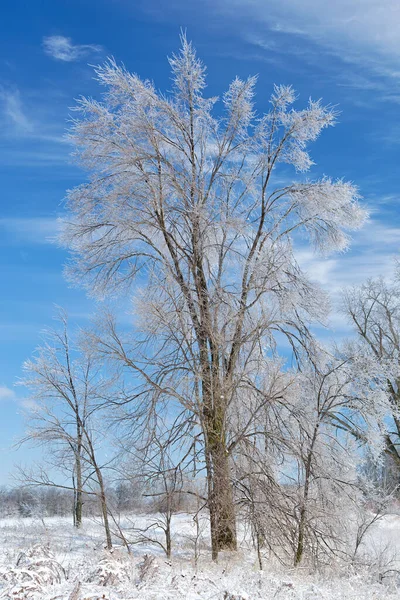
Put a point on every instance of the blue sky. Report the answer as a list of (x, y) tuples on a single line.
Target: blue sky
[(346, 52)]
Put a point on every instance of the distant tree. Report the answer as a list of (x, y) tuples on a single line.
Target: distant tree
[(162, 486), (122, 497), (187, 205), (374, 311)]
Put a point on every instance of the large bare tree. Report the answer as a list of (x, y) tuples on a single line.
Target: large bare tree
[(186, 205)]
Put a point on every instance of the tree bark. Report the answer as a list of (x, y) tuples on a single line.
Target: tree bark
[(78, 492), (102, 494), (104, 508), (301, 535), (168, 537), (221, 502), (304, 505), (225, 508)]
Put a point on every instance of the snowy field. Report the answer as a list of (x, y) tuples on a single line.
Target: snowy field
[(46, 559)]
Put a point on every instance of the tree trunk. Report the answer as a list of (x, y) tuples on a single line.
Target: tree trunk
[(225, 508), (78, 508), (220, 493), (304, 504), (212, 508), (105, 520), (168, 537), (104, 509), (78, 492), (74, 502), (301, 536), (258, 544), (102, 495)]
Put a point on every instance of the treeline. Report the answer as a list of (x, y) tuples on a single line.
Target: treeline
[(56, 502), (124, 498)]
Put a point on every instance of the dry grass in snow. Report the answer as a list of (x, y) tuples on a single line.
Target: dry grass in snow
[(48, 560)]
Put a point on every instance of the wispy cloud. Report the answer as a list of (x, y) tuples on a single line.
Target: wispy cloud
[(372, 255), (6, 393), (359, 38), (20, 118), (32, 231), (30, 134), (13, 111), (346, 26), (62, 48), (29, 404), (32, 158)]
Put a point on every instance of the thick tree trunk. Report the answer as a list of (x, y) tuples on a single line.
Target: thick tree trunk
[(220, 492), (224, 504)]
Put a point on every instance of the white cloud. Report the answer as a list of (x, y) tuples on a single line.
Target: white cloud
[(6, 393), (14, 157), (372, 254), (362, 33), (62, 48), (343, 24), (36, 230), (29, 404), (17, 120), (14, 112)]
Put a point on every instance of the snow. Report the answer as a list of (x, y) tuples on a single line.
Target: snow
[(46, 559)]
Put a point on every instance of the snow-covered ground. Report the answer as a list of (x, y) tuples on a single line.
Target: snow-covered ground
[(46, 559)]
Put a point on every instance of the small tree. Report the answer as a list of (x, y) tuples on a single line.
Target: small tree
[(68, 391), (163, 484)]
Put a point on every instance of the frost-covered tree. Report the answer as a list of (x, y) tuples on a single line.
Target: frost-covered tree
[(182, 201), (299, 469), (374, 311), (67, 392), (163, 483), (342, 397)]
